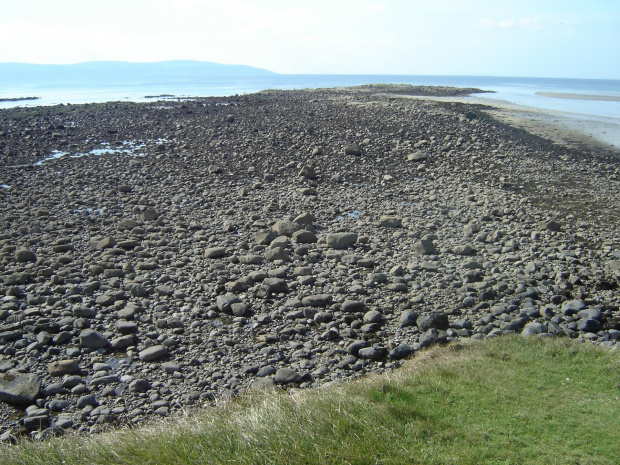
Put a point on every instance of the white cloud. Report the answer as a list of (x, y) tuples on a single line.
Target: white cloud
[(505, 24), (534, 24)]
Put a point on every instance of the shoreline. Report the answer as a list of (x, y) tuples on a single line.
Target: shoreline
[(573, 130), (604, 98)]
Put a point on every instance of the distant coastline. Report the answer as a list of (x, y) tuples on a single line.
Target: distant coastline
[(18, 99)]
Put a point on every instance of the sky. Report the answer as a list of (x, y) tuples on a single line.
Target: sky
[(531, 38)]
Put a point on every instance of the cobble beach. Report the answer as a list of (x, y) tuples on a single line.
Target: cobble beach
[(156, 257)]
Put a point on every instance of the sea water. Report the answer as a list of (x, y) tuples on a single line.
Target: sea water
[(518, 90)]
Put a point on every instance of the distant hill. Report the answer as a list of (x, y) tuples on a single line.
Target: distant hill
[(120, 72)]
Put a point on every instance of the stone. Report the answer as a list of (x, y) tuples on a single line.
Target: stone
[(533, 328), (464, 250), (589, 325), (551, 225), (240, 309), (424, 247), (417, 156), (373, 353), (307, 172), (571, 307), (353, 306), (373, 316), (390, 221), (150, 214), (428, 338), (91, 339), (19, 388), (277, 253), (215, 252), (63, 367), (341, 240), (614, 266), (317, 300), (437, 320), (401, 351), (305, 219), (352, 149), (25, 255), (153, 353), (407, 318), (274, 285), (304, 237), (356, 346), (286, 227), (139, 385), (106, 243), (122, 342), (287, 376)]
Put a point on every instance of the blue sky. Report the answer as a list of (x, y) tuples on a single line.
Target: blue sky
[(578, 39)]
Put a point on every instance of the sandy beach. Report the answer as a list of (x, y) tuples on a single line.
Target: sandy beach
[(606, 98), (570, 129)]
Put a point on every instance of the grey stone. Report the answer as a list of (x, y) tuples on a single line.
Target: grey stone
[(91, 339), (533, 328), (305, 237), (63, 367), (437, 320), (424, 247), (274, 285), (341, 240), (224, 302), (215, 252), (390, 221), (352, 149), (428, 338), (407, 318), (106, 243), (400, 352), (571, 307), (25, 255), (139, 385), (287, 376), (317, 300), (122, 342), (286, 227), (373, 353), (153, 353), (19, 388), (103, 380), (589, 325)]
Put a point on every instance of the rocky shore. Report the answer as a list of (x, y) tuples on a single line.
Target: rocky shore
[(157, 257)]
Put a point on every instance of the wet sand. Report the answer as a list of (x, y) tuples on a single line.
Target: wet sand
[(574, 130), (606, 98)]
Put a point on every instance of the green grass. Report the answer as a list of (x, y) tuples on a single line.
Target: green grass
[(504, 401)]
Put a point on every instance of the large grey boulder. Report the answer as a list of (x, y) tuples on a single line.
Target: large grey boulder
[(215, 252), (19, 388), (287, 376), (341, 240), (286, 227), (424, 247), (435, 320), (25, 255), (153, 353), (91, 339)]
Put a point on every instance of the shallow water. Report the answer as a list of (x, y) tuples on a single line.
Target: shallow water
[(517, 90)]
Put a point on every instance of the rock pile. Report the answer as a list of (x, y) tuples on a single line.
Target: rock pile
[(182, 252)]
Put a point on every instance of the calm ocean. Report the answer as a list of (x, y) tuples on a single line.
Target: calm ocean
[(520, 91)]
